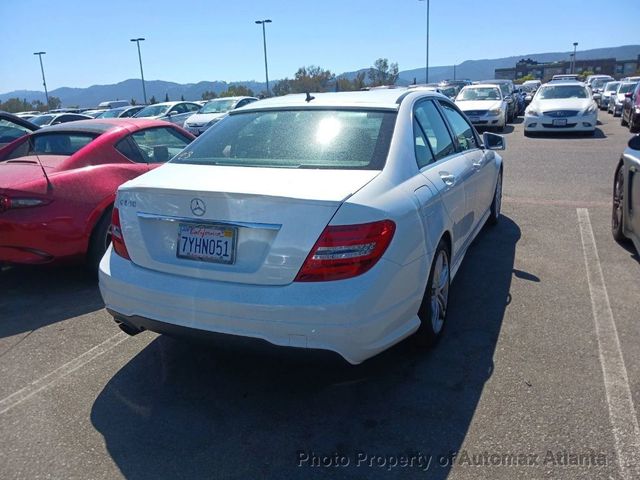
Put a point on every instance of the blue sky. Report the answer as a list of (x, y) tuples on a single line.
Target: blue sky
[(87, 41)]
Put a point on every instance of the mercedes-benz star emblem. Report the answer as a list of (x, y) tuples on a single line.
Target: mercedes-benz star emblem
[(198, 207)]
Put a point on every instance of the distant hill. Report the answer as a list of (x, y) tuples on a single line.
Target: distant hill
[(128, 89)]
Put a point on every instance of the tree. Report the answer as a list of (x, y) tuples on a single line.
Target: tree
[(166, 97), (182, 98), (133, 101), (383, 73), (585, 74), (207, 95), (521, 80), (237, 91), (152, 100), (283, 87), (54, 102)]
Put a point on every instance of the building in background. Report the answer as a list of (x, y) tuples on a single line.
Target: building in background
[(544, 71)]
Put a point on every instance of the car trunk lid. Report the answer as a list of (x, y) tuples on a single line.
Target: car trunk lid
[(271, 218)]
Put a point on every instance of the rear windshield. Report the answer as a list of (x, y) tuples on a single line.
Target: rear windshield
[(339, 139), (479, 93), (58, 143), (626, 87)]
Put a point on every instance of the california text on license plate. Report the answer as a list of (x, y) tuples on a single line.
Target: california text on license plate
[(560, 122), (211, 243)]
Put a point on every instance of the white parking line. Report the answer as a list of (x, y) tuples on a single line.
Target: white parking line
[(36, 386), (621, 409)]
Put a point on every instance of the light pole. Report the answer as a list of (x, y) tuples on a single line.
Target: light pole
[(426, 66), (44, 82), (144, 90), (264, 41), (573, 65)]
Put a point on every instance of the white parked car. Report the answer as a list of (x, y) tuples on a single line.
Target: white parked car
[(174, 112), (484, 105), (213, 111), (561, 107), (608, 90), (331, 221)]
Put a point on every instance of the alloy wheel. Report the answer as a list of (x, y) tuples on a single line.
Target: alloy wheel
[(440, 291)]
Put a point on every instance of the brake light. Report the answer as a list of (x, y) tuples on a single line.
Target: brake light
[(346, 251), (117, 240), (8, 203)]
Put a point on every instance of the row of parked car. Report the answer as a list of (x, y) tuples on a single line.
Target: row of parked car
[(621, 99)]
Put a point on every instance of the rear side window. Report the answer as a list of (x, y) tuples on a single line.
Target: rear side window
[(157, 145), (435, 130), (340, 139), (462, 130)]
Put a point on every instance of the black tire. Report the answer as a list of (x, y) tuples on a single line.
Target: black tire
[(430, 331), (617, 210), (496, 203), (100, 239), (634, 126), (623, 122)]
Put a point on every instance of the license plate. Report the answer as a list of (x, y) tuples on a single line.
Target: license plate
[(209, 243), (560, 122)]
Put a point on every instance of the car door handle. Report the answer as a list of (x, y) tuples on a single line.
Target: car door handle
[(448, 178)]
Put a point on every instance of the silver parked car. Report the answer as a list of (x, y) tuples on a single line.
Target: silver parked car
[(608, 90), (213, 111), (174, 112), (625, 218)]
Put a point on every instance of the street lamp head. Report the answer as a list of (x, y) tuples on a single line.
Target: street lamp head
[(39, 53), (575, 44), (263, 21), (137, 39)]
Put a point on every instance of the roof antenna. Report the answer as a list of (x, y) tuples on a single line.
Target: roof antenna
[(44, 172), (309, 97)]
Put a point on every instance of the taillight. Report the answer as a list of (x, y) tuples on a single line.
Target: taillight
[(345, 251), (117, 240), (8, 203)]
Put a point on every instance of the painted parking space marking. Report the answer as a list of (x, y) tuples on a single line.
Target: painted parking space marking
[(51, 378), (622, 414)]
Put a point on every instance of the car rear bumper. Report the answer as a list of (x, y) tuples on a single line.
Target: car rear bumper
[(356, 318), (582, 123)]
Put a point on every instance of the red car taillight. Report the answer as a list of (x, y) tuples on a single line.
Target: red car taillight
[(345, 251), (117, 240)]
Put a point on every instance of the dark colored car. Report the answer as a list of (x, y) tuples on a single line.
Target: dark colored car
[(13, 127), (58, 185), (56, 118), (625, 218), (631, 110)]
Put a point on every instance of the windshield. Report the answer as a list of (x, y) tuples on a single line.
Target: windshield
[(217, 106), (611, 86), (337, 139), (42, 119), (626, 87), (598, 83), (479, 93), (152, 111), (562, 91), (110, 113)]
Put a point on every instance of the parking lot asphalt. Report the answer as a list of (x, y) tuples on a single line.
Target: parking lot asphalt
[(535, 377)]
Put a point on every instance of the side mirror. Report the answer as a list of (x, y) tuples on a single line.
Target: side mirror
[(628, 94), (493, 142), (634, 142)]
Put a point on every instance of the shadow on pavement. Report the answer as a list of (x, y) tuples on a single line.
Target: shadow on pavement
[(183, 410), (33, 297), (598, 134)]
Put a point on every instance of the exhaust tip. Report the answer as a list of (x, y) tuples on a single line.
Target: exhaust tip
[(128, 329)]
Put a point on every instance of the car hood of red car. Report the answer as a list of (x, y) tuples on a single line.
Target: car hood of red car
[(26, 170)]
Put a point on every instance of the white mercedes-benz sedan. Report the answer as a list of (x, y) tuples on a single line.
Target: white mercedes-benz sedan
[(331, 221), (561, 106)]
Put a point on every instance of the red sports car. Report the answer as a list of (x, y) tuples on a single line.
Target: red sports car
[(58, 185)]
